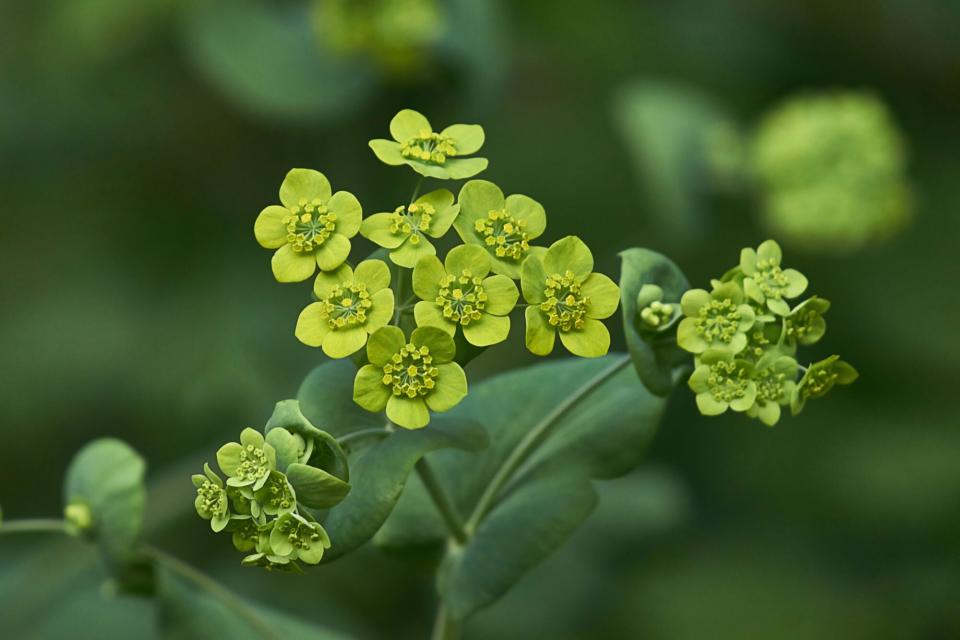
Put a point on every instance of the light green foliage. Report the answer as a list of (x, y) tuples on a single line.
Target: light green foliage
[(745, 337), (272, 482), (831, 169), (430, 153)]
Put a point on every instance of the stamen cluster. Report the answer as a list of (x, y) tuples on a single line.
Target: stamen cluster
[(504, 233), (565, 304), (429, 146), (462, 297), (719, 320), (413, 220), (346, 305), (309, 225), (411, 372)]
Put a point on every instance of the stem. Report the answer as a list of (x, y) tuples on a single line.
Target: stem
[(442, 501), (39, 525), (230, 600), (361, 434), (534, 438), (444, 627), (416, 190)]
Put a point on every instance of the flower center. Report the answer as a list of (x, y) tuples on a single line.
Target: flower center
[(412, 220), (801, 324), (300, 535), (656, 313), (410, 372), (770, 279), (462, 297), (430, 147), (819, 382), (727, 381), (347, 305), (718, 321), (504, 233), (565, 305), (757, 340), (212, 499), (309, 225), (770, 385), (275, 496), (253, 463)]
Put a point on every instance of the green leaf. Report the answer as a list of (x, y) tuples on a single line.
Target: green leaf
[(655, 355), (327, 453), (265, 57), (525, 528), (379, 467), (316, 488), (107, 477), (603, 436), (667, 129), (187, 613)]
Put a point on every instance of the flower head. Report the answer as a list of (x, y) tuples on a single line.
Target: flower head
[(566, 297), (460, 292), (832, 171), (766, 282), (819, 379), (351, 304), (297, 538), (249, 462), (312, 228), (716, 320), (211, 502), (405, 230), (805, 324), (653, 314), (776, 378), (722, 382), (429, 153), (503, 226), (276, 496), (409, 379)]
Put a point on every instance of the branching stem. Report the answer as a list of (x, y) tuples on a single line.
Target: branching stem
[(442, 501)]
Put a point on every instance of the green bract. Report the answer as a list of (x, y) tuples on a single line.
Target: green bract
[(211, 501), (460, 292), (765, 282), (715, 320), (249, 462), (722, 382), (565, 296), (820, 378), (431, 154), (352, 303), (504, 226), (775, 377), (312, 228), (404, 230), (409, 379), (832, 171)]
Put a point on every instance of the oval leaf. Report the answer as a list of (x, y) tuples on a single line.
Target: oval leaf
[(316, 488)]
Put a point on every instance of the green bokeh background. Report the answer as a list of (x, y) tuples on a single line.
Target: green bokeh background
[(137, 304)]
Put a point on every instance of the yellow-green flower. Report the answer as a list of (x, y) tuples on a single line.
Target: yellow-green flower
[(297, 538), (351, 304), (776, 377), (565, 296), (715, 320), (431, 154), (248, 463), (722, 382), (460, 292), (410, 379), (211, 501), (313, 228), (819, 379), (504, 226), (404, 230), (766, 282)]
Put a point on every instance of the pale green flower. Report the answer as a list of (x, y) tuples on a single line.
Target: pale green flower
[(249, 462), (276, 496), (776, 379), (504, 226), (404, 231), (766, 282), (716, 320), (722, 382), (566, 297), (313, 227), (832, 171), (211, 502), (431, 154), (805, 324), (410, 379), (459, 292), (297, 538), (819, 379), (352, 304)]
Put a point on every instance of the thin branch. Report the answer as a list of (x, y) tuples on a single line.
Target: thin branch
[(442, 501), (39, 525)]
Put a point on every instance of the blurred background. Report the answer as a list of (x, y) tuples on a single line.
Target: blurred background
[(139, 140)]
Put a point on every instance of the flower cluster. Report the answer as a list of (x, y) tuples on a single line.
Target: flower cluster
[(831, 169), (744, 335), (402, 326), (271, 483)]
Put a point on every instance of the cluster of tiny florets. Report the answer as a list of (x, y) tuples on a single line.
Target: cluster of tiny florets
[(429, 146), (347, 305), (462, 298), (504, 234), (719, 320), (309, 225), (565, 304), (413, 220), (410, 372)]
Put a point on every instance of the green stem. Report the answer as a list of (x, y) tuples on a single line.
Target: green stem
[(39, 525), (442, 501), (534, 438), (230, 600), (444, 627), (361, 435), (416, 190)]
